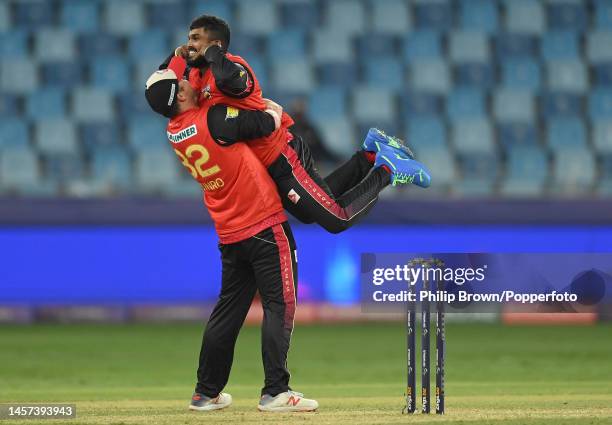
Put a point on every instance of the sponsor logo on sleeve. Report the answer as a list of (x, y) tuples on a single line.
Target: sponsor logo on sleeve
[(231, 113)]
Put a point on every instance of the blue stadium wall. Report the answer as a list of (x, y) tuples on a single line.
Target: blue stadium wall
[(54, 252)]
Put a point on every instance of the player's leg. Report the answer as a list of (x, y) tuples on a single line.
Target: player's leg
[(307, 196), (304, 193), (343, 178), (273, 256), (217, 352), (351, 173)]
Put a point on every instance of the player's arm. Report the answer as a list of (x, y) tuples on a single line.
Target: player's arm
[(180, 51), (165, 63), (230, 77), (228, 125)]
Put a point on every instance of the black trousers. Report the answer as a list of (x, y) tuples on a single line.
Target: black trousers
[(336, 202), (265, 262)]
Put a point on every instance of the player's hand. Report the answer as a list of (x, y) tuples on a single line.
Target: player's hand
[(270, 104), (182, 51), (275, 110)]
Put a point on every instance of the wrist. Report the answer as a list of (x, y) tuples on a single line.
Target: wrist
[(276, 116)]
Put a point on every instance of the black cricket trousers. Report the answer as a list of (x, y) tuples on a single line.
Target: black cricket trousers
[(265, 262), (336, 202)]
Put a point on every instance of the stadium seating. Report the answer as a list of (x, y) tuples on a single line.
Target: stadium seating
[(447, 175), (14, 44), (433, 15), (257, 17), (430, 75), (468, 47), (13, 133), (517, 135), (327, 103), (64, 74), (345, 16), (81, 16), (513, 106), (486, 91), (464, 103), (149, 44), (220, 8), (600, 104), (5, 19), (286, 44), (162, 16), (556, 104), (521, 74), (47, 103), (479, 75), (99, 135), (54, 45), (19, 171), (525, 16), (566, 133), (573, 172), (603, 137), (391, 17), (92, 104), (567, 76), (19, 76), (112, 167), (560, 45), (156, 169), (515, 46), (32, 15), (427, 133), (415, 104), (527, 172), (473, 136), (302, 14), (124, 18), (9, 105), (422, 45), (479, 15), (55, 136)]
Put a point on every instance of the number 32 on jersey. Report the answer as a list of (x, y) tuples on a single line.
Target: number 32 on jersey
[(194, 159)]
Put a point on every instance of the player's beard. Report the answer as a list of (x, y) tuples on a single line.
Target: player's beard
[(197, 62)]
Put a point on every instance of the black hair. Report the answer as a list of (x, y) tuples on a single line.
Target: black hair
[(216, 27)]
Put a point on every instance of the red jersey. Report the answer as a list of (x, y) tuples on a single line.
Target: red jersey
[(239, 193), (267, 149)]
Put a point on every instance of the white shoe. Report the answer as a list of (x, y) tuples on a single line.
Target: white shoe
[(289, 401), (202, 403)]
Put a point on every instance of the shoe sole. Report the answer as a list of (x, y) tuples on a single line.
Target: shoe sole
[(377, 139), (285, 410), (382, 140), (208, 408)]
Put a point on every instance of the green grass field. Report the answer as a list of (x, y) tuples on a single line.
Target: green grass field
[(144, 374)]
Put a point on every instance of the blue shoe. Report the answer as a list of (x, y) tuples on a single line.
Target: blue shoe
[(375, 138), (403, 170)]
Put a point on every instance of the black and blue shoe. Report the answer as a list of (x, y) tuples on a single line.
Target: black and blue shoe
[(376, 138), (403, 170)]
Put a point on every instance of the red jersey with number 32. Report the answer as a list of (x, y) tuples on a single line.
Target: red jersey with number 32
[(267, 149), (238, 191)]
